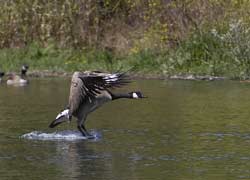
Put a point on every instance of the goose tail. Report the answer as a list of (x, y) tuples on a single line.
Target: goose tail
[(60, 118)]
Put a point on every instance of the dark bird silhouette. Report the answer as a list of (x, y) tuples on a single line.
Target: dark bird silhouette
[(1, 75)]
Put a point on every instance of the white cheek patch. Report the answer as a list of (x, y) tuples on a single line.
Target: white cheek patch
[(134, 95), (63, 113)]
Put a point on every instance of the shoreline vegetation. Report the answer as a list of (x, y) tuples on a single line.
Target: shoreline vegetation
[(134, 75), (174, 39)]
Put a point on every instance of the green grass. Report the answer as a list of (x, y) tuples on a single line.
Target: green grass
[(69, 60), (208, 52), (51, 58)]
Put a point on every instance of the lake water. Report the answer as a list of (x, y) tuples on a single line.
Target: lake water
[(184, 130)]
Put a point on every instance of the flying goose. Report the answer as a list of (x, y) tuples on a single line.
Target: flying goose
[(88, 91), (18, 80)]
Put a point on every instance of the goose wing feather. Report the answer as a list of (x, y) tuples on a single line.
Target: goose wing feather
[(95, 82)]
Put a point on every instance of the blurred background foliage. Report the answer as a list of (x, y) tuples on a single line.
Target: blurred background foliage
[(156, 36)]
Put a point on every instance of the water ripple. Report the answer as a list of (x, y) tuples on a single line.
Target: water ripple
[(60, 135), (223, 135)]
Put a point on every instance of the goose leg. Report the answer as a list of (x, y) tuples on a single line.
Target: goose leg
[(83, 127), (90, 136), (80, 120), (82, 130)]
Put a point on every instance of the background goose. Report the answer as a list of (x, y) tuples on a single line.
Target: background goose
[(1, 76), (18, 80), (88, 91)]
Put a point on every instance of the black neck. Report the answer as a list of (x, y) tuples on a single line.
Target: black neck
[(1, 74), (23, 73), (120, 95)]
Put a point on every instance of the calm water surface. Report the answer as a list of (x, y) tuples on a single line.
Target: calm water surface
[(184, 130)]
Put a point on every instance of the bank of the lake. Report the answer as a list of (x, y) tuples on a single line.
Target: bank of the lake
[(51, 61)]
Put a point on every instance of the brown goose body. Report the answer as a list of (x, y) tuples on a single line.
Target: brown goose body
[(17, 80), (88, 91)]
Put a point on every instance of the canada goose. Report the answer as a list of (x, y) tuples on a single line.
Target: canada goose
[(18, 80), (88, 91), (1, 75)]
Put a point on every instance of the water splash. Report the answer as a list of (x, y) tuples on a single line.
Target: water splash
[(60, 135)]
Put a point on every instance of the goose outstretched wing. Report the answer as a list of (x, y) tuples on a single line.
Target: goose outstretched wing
[(86, 86)]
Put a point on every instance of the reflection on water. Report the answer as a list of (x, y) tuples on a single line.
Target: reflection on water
[(184, 130)]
